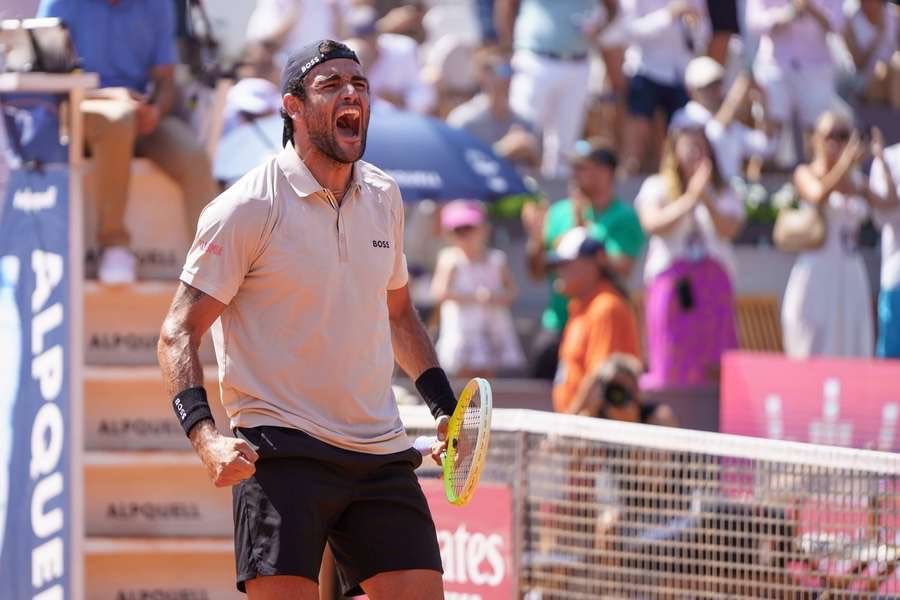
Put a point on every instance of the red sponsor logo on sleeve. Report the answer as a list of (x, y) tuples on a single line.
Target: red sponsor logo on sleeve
[(210, 248)]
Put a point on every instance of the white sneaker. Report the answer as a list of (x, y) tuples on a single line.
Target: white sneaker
[(118, 266)]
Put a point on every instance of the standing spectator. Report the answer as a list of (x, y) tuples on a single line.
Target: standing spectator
[(592, 203), (665, 36), (131, 45), (602, 321), (691, 214), (550, 87), (827, 308), (884, 184), (871, 36), (392, 63), (794, 64), (474, 287), (716, 113), (489, 117)]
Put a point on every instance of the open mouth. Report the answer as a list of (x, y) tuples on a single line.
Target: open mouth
[(349, 122)]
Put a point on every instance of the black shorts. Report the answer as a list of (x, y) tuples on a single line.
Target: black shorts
[(646, 95), (368, 507)]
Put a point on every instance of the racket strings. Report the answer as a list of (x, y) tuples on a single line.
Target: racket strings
[(467, 443)]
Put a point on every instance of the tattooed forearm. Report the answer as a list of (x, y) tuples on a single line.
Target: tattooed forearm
[(191, 314)]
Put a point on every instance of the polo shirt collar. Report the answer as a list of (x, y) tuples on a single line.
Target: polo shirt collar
[(300, 178)]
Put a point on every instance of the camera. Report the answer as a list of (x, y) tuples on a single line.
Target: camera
[(617, 395)]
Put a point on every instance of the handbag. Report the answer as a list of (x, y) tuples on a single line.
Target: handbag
[(800, 227)]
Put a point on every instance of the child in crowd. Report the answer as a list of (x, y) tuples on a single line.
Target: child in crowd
[(474, 287)]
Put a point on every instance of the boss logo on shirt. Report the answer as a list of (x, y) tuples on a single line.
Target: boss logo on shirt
[(381, 244)]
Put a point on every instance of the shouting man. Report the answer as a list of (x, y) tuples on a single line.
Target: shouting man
[(299, 269)]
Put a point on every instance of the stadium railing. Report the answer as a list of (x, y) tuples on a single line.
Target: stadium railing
[(605, 509)]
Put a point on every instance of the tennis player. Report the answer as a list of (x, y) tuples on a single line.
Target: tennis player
[(299, 269)]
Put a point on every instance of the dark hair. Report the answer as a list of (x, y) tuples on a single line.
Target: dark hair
[(295, 88)]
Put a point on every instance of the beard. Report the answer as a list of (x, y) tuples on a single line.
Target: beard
[(322, 135)]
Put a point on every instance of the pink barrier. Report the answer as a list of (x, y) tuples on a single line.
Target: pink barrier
[(841, 402)]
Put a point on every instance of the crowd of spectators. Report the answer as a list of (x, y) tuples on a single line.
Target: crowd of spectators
[(695, 99)]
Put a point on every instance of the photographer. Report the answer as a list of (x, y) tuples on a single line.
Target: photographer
[(613, 393)]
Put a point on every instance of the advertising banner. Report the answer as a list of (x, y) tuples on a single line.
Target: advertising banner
[(35, 485), (476, 542), (839, 402)]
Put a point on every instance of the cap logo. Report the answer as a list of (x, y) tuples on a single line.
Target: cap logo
[(310, 63)]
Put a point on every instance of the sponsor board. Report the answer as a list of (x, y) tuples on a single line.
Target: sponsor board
[(159, 500), (476, 542), (36, 531), (839, 402), (157, 576)]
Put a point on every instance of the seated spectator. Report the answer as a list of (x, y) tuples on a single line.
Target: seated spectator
[(489, 117), (615, 394), (883, 182), (601, 320), (665, 35), (716, 112), (131, 45), (691, 214), (827, 308), (551, 40), (794, 65), (475, 288), (391, 62), (871, 36), (248, 100), (592, 203)]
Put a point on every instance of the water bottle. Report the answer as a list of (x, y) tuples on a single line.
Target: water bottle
[(10, 359)]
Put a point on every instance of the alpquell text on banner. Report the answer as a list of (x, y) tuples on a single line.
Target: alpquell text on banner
[(35, 450)]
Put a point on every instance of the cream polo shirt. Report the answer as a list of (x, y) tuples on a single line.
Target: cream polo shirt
[(304, 341)]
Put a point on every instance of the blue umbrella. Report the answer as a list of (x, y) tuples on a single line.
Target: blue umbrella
[(430, 159), (427, 157)]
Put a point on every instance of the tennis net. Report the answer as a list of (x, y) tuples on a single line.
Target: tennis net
[(615, 510)]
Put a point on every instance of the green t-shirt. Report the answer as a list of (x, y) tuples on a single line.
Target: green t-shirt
[(617, 227)]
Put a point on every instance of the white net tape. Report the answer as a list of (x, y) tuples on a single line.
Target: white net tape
[(614, 510)]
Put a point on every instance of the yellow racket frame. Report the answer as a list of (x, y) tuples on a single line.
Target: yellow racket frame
[(481, 447)]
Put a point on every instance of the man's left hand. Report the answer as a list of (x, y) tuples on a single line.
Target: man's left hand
[(440, 447)]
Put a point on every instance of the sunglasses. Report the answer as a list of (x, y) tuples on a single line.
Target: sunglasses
[(839, 135)]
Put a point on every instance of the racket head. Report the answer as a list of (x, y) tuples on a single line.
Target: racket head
[(468, 437)]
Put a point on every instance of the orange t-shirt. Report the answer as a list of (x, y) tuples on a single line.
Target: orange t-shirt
[(596, 330)]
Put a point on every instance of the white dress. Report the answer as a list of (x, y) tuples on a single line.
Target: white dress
[(477, 336), (827, 308)]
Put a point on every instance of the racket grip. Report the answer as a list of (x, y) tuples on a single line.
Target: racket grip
[(424, 443)]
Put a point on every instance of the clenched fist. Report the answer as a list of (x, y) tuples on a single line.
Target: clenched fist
[(228, 460)]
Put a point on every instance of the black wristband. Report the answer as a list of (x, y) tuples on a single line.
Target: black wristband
[(434, 387), (191, 407)]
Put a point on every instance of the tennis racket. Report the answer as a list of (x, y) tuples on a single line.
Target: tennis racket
[(468, 436)]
